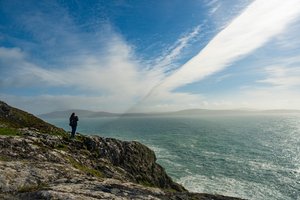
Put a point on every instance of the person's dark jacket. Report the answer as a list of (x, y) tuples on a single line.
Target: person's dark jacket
[(73, 120)]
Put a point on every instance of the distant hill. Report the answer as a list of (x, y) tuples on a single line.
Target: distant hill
[(280, 111), (93, 114), (208, 112), (81, 113), (231, 112)]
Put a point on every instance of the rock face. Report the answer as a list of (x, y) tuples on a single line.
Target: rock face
[(36, 165)]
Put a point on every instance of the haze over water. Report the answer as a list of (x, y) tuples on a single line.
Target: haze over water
[(248, 156)]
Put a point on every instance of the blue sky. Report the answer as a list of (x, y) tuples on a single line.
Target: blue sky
[(145, 56)]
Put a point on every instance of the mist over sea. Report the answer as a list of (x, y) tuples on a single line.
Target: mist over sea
[(248, 156)]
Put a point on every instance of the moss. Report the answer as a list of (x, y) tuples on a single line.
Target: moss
[(79, 137), (170, 190), (9, 131), (60, 133), (32, 188), (85, 152), (62, 147), (146, 183), (83, 168), (5, 158)]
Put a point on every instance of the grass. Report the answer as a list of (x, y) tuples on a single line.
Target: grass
[(5, 158), (9, 131), (62, 147), (79, 137), (32, 188), (87, 170), (21, 119), (146, 183), (59, 133), (170, 190)]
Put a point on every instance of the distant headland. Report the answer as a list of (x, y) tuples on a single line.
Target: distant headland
[(92, 114)]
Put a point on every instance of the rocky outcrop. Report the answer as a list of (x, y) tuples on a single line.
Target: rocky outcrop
[(109, 158), (41, 167), (36, 165)]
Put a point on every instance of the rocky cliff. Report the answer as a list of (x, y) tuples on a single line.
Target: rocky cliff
[(39, 161)]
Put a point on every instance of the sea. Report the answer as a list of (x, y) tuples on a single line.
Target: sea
[(248, 156)]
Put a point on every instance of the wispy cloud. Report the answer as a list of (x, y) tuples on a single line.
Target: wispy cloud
[(112, 82), (281, 76), (167, 61), (211, 3), (98, 67), (259, 23), (268, 98), (213, 6), (114, 72)]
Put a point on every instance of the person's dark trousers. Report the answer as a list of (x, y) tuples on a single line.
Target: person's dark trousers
[(73, 131)]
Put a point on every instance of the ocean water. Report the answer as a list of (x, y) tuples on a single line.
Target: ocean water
[(252, 157)]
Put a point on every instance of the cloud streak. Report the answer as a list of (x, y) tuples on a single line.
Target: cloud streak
[(258, 24), (284, 77), (166, 62)]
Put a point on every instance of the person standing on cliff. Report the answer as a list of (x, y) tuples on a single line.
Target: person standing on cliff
[(73, 124)]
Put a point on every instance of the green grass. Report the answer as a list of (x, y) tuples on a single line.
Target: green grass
[(59, 133), (9, 131), (85, 169), (32, 188), (79, 137), (5, 158), (146, 183), (170, 190), (62, 147)]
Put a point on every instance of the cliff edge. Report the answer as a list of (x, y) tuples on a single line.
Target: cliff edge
[(39, 161)]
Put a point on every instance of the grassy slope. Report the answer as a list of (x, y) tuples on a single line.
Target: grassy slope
[(14, 118)]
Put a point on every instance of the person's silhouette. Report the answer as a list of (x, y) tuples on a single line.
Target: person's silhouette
[(73, 124)]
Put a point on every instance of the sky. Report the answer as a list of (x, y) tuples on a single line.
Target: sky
[(149, 56)]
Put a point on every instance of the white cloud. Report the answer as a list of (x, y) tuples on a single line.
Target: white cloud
[(10, 54), (166, 101), (270, 98), (19, 72), (280, 76), (292, 36), (165, 62), (214, 9), (260, 22), (211, 3), (99, 66), (114, 81), (223, 77), (115, 72)]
